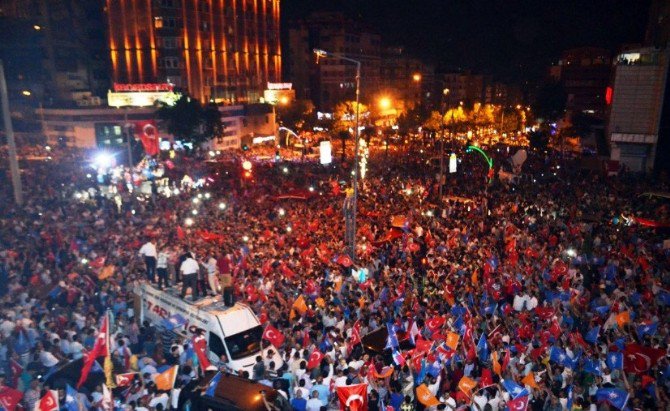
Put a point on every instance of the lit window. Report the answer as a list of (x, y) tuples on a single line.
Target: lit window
[(158, 22)]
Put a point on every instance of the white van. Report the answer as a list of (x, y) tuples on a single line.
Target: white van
[(234, 331)]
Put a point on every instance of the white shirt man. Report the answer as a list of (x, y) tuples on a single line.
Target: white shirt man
[(189, 266), (148, 250)]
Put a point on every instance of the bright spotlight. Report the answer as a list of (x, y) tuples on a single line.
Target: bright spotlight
[(103, 160)]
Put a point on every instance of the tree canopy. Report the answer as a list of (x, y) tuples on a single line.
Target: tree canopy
[(189, 120)]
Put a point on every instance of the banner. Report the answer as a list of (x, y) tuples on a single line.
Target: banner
[(148, 133)]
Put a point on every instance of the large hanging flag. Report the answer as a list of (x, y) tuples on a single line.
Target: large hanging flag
[(353, 397), (148, 133), (100, 349), (165, 380)]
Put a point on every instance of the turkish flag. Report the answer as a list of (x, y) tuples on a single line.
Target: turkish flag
[(639, 359), (353, 397), (100, 349), (315, 359), (180, 233), (344, 260), (273, 335), (200, 348), (9, 398), (49, 402), (518, 404), (124, 380), (435, 323), (355, 334), (148, 135)]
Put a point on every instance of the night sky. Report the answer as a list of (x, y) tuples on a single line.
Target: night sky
[(515, 40)]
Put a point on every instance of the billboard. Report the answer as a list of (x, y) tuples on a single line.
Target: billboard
[(326, 154)]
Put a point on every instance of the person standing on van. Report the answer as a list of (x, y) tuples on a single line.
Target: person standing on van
[(189, 270), (162, 268), (148, 251)]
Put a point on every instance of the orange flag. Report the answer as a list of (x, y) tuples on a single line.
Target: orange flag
[(529, 380), (466, 385), (291, 315), (622, 318), (425, 397), (496, 364), (165, 380), (475, 278), (300, 305), (452, 340)]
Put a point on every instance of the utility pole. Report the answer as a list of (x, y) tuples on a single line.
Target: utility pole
[(9, 133)]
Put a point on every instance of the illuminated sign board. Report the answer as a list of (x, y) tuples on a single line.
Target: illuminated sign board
[(325, 152), (140, 99), (280, 86), (279, 96), (143, 87)]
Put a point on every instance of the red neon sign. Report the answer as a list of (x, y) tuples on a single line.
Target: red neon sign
[(143, 87)]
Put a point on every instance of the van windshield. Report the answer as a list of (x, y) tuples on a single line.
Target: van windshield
[(245, 343)]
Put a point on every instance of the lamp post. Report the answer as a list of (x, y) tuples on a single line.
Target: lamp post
[(445, 93), (350, 211), (11, 144)]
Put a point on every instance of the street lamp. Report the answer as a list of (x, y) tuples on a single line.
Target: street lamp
[(350, 213), (416, 77), (445, 93)]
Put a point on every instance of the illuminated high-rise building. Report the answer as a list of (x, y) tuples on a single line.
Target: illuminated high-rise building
[(221, 50)]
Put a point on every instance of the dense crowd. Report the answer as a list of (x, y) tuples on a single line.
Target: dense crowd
[(536, 295)]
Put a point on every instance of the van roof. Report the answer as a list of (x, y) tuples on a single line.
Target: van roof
[(238, 318)]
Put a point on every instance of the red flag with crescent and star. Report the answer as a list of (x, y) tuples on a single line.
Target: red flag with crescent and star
[(49, 402), (353, 397), (315, 359), (148, 133), (100, 349), (273, 335), (124, 380)]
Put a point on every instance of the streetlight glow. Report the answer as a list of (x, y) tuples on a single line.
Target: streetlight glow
[(416, 77), (26, 93), (384, 103)]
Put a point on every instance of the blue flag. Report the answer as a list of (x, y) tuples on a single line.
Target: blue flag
[(593, 367), (664, 297), (602, 310), (645, 329), (570, 398), (614, 360), (175, 321), (483, 347), (212, 384), (615, 396), (392, 339), (592, 335), (557, 355), (71, 403), (515, 390)]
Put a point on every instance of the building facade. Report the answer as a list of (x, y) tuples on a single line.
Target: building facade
[(585, 74), (222, 51), (638, 100), (71, 49), (406, 79), (106, 127), (328, 80)]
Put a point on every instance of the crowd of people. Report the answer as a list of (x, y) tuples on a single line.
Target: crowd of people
[(530, 296)]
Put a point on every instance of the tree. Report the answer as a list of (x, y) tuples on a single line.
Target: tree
[(297, 115), (345, 115), (413, 118), (433, 122), (189, 121)]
